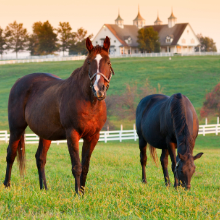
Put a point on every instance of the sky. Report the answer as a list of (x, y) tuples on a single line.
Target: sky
[(203, 15)]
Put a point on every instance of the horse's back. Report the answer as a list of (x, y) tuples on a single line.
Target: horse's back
[(28, 92), (147, 116)]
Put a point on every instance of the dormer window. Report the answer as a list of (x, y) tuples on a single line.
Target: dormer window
[(169, 39), (128, 40)]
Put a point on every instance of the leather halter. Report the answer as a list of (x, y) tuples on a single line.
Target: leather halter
[(108, 80)]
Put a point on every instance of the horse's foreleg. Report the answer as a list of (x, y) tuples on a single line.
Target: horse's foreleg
[(73, 147), (87, 149), (143, 157), (172, 151), (41, 155), (164, 164)]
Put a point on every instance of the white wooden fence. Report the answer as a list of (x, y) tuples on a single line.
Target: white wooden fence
[(118, 135), (67, 58)]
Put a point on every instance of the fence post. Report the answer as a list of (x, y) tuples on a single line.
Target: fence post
[(206, 121), (217, 120), (203, 130), (216, 129), (105, 135), (6, 136), (120, 133), (134, 128)]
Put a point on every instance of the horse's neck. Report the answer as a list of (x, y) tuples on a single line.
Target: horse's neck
[(80, 79)]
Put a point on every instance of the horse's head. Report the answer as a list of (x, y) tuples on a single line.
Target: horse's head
[(185, 168), (99, 68)]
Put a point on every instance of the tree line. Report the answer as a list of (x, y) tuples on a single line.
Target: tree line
[(44, 39)]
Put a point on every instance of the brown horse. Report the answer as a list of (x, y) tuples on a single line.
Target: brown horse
[(57, 109)]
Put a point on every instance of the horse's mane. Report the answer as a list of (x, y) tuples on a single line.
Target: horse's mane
[(178, 113)]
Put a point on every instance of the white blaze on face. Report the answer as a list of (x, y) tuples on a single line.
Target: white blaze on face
[(98, 59)]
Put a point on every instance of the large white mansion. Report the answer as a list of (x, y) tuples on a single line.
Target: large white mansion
[(174, 37)]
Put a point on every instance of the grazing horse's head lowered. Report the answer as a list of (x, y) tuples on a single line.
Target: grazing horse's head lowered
[(185, 168), (99, 68)]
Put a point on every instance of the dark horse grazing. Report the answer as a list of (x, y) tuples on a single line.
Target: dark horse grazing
[(57, 109), (168, 123)]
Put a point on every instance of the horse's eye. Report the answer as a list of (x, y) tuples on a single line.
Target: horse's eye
[(88, 62), (109, 63)]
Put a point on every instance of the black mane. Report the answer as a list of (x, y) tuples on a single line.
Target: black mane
[(179, 121)]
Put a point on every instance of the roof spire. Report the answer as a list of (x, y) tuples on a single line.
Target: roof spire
[(158, 21), (119, 21)]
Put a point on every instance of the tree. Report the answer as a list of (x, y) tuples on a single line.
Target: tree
[(64, 30), (77, 43), (16, 37), (148, 40), (33, 44), (207, 44), (2, 42), (211, 106), (44, 39)]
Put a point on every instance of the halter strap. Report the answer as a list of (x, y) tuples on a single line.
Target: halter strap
[(108, 80)]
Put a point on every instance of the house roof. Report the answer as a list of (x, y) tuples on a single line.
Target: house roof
[(123, 34), (163, 31)]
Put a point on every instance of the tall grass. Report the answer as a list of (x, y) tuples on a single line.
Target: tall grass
[(113, 188)]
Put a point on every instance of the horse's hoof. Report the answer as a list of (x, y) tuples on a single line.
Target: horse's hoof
[(144, 181), (7, 184)]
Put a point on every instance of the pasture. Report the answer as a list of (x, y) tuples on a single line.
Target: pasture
[(114, 189), (192, 76)]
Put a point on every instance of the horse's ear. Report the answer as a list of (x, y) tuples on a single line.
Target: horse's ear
[(182, 157), (89, 45), (197, 156), (106, 44)]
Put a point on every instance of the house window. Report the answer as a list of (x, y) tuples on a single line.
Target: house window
[(192, 41), (169, 39), (96, 42), (183, 41), (114, 41)]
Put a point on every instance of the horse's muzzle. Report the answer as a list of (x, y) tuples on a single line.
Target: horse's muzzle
[(100, 95)]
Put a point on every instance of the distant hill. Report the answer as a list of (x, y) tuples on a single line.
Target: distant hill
[(192, 76)]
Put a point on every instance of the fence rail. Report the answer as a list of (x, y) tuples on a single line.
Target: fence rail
[(51, 58), (105, 136)]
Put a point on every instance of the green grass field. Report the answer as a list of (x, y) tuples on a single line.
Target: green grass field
[(114, 189), (192, 76)]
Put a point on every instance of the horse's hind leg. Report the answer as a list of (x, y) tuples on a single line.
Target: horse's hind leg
[(41, 155), (143, 157), (164, 164), (15, 138)]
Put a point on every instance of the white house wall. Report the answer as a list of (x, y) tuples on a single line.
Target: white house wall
[(186, 40), (104, 31)]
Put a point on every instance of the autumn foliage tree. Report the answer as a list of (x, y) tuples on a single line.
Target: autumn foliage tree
[(44, 39), (2, 42), (16, 37), (65, 35), (148, 40), (211, 105)]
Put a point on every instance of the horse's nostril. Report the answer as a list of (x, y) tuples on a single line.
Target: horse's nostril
[(103, 87)]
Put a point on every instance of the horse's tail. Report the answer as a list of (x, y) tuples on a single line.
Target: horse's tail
[(153, 154), (21, 155)]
